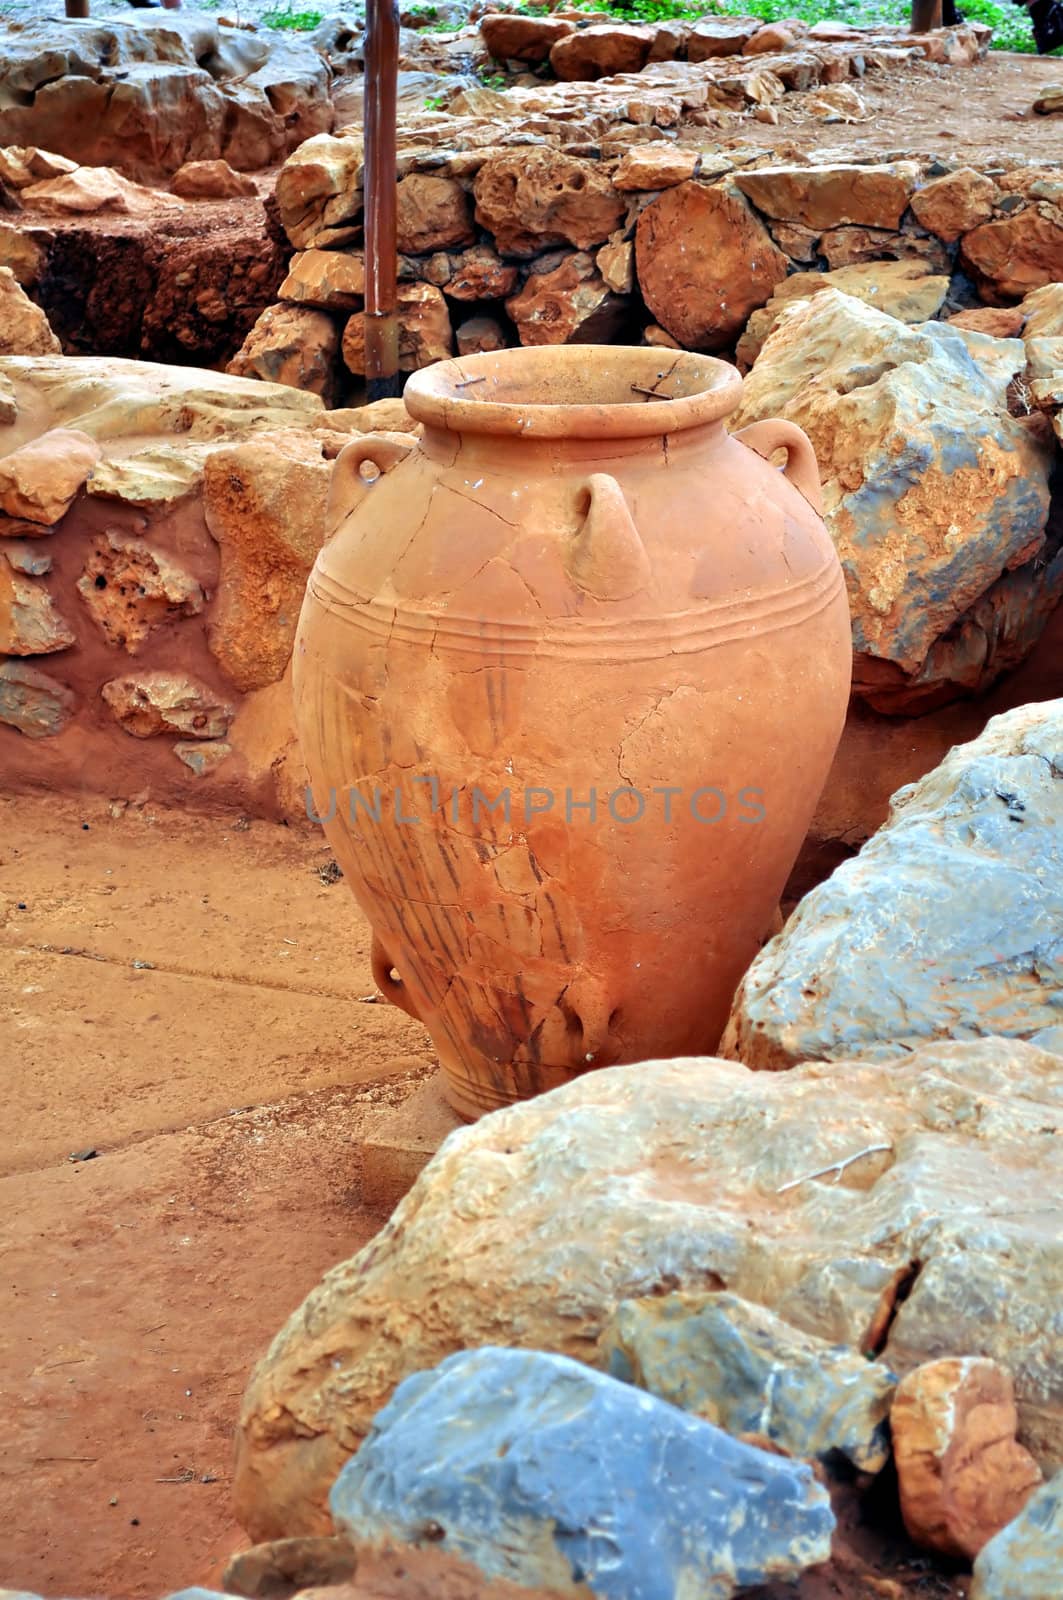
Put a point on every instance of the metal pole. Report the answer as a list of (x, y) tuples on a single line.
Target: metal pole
[(383, 378), (926, 15), (77, 8)]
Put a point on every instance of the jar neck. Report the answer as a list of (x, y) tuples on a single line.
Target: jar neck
[(521, 455)]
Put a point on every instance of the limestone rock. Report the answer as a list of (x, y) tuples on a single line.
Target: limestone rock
[(849, 246), (901, 289), (479, 334), (130, 589), (827, 196), (160, 475), (512, 38), (425, 333), (30, 623), (319, 186), (658, 165), (616, 263), (202, 757), (481, 275), (667, 1175), (37, 705), (1043, 312), (1049, 100), (283, 1565), (24, 328), (570, 305), (264, 502), (294, 346), (978, 841), (39, 481), (1000, 322), (601, 52), (961, 1472), (512, 1454), (773, 37), (22, 256), (432, 214), (1017, 253), (27, 557), (107, 398), (88, 190), (332, 280), (931, 490), (530, 199), (388, 416), (705, 262), (22, 165), (954, 204), (741, 1367), (149, 703), (719, 36), (1024, 1561), (211, 180)]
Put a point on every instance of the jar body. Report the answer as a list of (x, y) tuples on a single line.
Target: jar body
[(567, 707)]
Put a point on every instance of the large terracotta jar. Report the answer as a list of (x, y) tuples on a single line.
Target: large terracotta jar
[(569, 676)]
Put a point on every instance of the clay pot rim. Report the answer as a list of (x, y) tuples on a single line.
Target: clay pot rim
[(442, 395)]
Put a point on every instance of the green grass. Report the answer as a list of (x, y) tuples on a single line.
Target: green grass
[(293, 21)]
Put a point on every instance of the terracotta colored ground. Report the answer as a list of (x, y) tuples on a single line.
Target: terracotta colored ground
[(225, 1085)]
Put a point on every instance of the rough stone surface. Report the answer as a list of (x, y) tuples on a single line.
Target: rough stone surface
[(479, 334), (37, 705), (956, 203), (129, 589), (24, 328), (30, 622), (705, 262), (978, 842), (667, 1176), (1024, 1561), (202, 757), (827, 196), (149, 96), (570, 305), (482, 275), (328, 279), (531, 39), (512, 1454), (531, 199), (1000, 322), (658, 165), (601, 52), (291, 345), (1042, 312), (149, 703), (931, 490), (89, 190), (264, 502), (432, 214), (425, 332), (22, 556), (39, 481), (961, 1472), (210, 180), (719, 36), (741, 1367), (320, 187), (1015, 254), (901, 289), (21, 256)]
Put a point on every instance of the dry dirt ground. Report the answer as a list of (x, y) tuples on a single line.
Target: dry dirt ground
[(184, 998)]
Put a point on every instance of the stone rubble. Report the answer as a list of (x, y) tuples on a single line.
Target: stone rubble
[(693, 1176), (976, 844)]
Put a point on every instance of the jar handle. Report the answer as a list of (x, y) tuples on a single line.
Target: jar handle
[(392, 989), (801, 467), (346, 485), (607, 557)]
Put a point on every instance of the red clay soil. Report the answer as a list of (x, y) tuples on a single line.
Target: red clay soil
[(183, 998)]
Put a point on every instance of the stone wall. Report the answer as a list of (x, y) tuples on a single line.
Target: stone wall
[(157, 526)]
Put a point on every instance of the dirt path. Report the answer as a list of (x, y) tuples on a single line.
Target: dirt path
[(225, 1084)]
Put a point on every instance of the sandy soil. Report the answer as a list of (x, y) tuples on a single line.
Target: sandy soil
[(225, 1083)]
